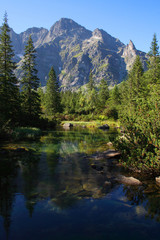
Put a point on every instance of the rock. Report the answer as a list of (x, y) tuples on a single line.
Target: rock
[(128, 180), (97, 167), (109, 144), (20, 150), (74, 50), (158, 180), (112, 154), (67, 125), (104, 127), (107, 183)]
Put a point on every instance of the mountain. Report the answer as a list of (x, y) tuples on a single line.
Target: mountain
[(73, 51)]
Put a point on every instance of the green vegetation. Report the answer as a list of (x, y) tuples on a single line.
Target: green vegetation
[(139, 114), (52, 95), (134, 102), (78, 55), (29, 84), (26, 133), (9, 92), (20, 106)]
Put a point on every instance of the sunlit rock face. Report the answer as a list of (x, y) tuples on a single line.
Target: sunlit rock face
[(73, 51)]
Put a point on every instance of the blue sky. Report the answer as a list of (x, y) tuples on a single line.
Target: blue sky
[(132, 19)]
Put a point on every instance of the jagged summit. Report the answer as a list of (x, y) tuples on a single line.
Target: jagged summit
[(65, 25), (73, 51), (131, 45)]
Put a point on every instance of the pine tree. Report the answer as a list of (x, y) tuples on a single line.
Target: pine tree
[(52, 95), (154, 62), (103, 93), (9, 91), (135, 79), (116, 95), (91, 82), (30, 83)]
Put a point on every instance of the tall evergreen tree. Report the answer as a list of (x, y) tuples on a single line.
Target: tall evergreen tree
[(91, 85), (154, 62), (135, 79), (52, 95), (30, 83), (103, 93), (9, 91)]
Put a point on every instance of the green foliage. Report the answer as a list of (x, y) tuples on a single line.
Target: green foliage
[(103, 94), (140, 117), (9, 92), (26, 133), (91, 84), (153, 74), (52, 95), (30, 83)]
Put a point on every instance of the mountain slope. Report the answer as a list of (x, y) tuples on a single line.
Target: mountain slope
[(73, 51)]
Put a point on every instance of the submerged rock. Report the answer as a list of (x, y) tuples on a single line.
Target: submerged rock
[(128, 180), (97, 167)]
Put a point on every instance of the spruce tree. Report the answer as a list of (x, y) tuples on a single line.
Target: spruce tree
[(52, 95), (135, 79), (103, 93), (9, 91), (154, 62), (91, 82), (30, 83)]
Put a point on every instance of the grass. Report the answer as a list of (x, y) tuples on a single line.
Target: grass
[(94, 124)]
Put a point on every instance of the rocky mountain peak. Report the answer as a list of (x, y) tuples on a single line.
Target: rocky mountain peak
[(131, 45), (73, 51), (64, 25), (97, 33)]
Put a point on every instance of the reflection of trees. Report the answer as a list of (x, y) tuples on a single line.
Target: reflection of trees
[(153, 207), (30, 175), (134, 194), (8, 172), (68, 175), (150, 199)]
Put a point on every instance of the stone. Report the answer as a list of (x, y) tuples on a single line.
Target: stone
[(158, 180), (109, 144), (112, 154), (104, 127), (129, 180), (107, 183), (97, 167), (67, 125)]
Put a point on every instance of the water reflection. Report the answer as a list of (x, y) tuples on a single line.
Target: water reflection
[(60, 174), (148, 196)]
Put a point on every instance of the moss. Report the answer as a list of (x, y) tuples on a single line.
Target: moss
[(76, 48), (63, 72), (78, 55), (104, 66)]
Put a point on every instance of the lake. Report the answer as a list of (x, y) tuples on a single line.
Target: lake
[(56, 192)]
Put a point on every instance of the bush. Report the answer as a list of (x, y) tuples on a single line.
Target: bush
[(140, 146), (26, 133)]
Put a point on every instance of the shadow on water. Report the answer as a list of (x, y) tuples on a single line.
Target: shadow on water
[(56, 185)]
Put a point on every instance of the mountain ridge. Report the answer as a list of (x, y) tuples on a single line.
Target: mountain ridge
[(74, 50)]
